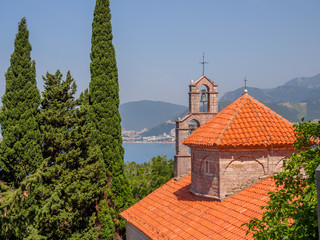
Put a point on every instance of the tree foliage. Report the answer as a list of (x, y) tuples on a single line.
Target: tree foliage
[(20, 151), (62, 174), (147, 177), (103, 116), (291, 212), (59, 200)]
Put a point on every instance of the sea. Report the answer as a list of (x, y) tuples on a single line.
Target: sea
[(143, 152)]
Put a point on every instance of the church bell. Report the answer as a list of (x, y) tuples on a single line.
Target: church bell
[(203, 98)]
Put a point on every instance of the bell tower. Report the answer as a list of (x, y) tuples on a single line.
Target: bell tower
[(203, 105)]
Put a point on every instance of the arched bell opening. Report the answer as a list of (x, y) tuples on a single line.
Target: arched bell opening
[(193, 125), (203, 98)]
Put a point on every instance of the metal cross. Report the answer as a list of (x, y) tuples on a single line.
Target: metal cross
[(203, 63), (245, 83)]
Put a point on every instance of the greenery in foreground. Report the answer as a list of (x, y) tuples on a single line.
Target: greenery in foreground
[(147, 177), (291, 212), (62, 174), (58, 200), (103, 122), (20, 151)]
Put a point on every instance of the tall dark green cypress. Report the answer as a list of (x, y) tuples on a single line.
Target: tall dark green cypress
[(20, 152), (104, 118), (60, 200)]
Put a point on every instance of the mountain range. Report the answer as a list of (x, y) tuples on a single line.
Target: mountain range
[(147, 114), (295, 90), (296, 99)]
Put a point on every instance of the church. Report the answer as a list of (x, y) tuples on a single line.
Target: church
[(224, 164)]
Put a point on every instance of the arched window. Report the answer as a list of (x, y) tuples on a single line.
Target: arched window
[(207, 170), (203, 98), (193, 125)]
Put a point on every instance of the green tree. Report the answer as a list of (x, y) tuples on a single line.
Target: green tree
[(291, 212), (59, 200), (20, 151), (103, 116), (147, 177)]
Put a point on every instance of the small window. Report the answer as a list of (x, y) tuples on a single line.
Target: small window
[(207, 167), (193, 125)]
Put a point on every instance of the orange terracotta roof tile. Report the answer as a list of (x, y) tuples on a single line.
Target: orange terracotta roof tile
[(245, 122), (179, 215)]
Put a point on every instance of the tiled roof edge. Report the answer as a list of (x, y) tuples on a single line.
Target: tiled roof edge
[(269, 110), (245, 96)]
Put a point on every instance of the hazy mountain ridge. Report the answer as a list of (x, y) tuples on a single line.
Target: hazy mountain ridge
[(310, 82), (147, 114), (296, 99), (296, 90)]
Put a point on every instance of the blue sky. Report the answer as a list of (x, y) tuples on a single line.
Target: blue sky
[(159, 44)]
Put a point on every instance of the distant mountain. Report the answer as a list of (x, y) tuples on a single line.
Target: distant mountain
[(296, 99), (233, 95), (313, 109), (311, 82), (295, 90), (147, 114), (164, 127)]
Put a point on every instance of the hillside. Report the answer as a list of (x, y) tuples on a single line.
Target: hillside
[(147, 114), (311, 82), (296, 99), (295, 90), (164, 127)]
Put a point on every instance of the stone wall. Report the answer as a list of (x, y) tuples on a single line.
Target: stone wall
[(182, 158), (182, 166), (134, 233), (205, 174), (221, 173)]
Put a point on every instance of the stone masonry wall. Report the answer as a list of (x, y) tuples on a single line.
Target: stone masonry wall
[(205, 175), (133, 233), (182, 159), (228, 172)]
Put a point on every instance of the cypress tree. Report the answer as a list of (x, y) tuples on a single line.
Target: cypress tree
[(20, 152), (104, 118), (60, 200)]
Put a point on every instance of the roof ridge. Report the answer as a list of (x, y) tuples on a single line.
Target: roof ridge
[(263, 106), (271, 112), (247, 123), (230, 121), (269, 109)]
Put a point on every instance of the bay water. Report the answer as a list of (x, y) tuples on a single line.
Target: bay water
[(143, 152)]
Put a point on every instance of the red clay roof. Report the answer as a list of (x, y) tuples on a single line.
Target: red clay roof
[(172, 212), (244, 123)]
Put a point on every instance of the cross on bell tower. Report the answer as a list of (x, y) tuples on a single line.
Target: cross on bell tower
[(203, 63)]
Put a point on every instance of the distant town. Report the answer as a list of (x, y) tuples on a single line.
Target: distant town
[(136, 136)]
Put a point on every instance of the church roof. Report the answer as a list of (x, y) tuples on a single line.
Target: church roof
[(173, 212), (244, 123)]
